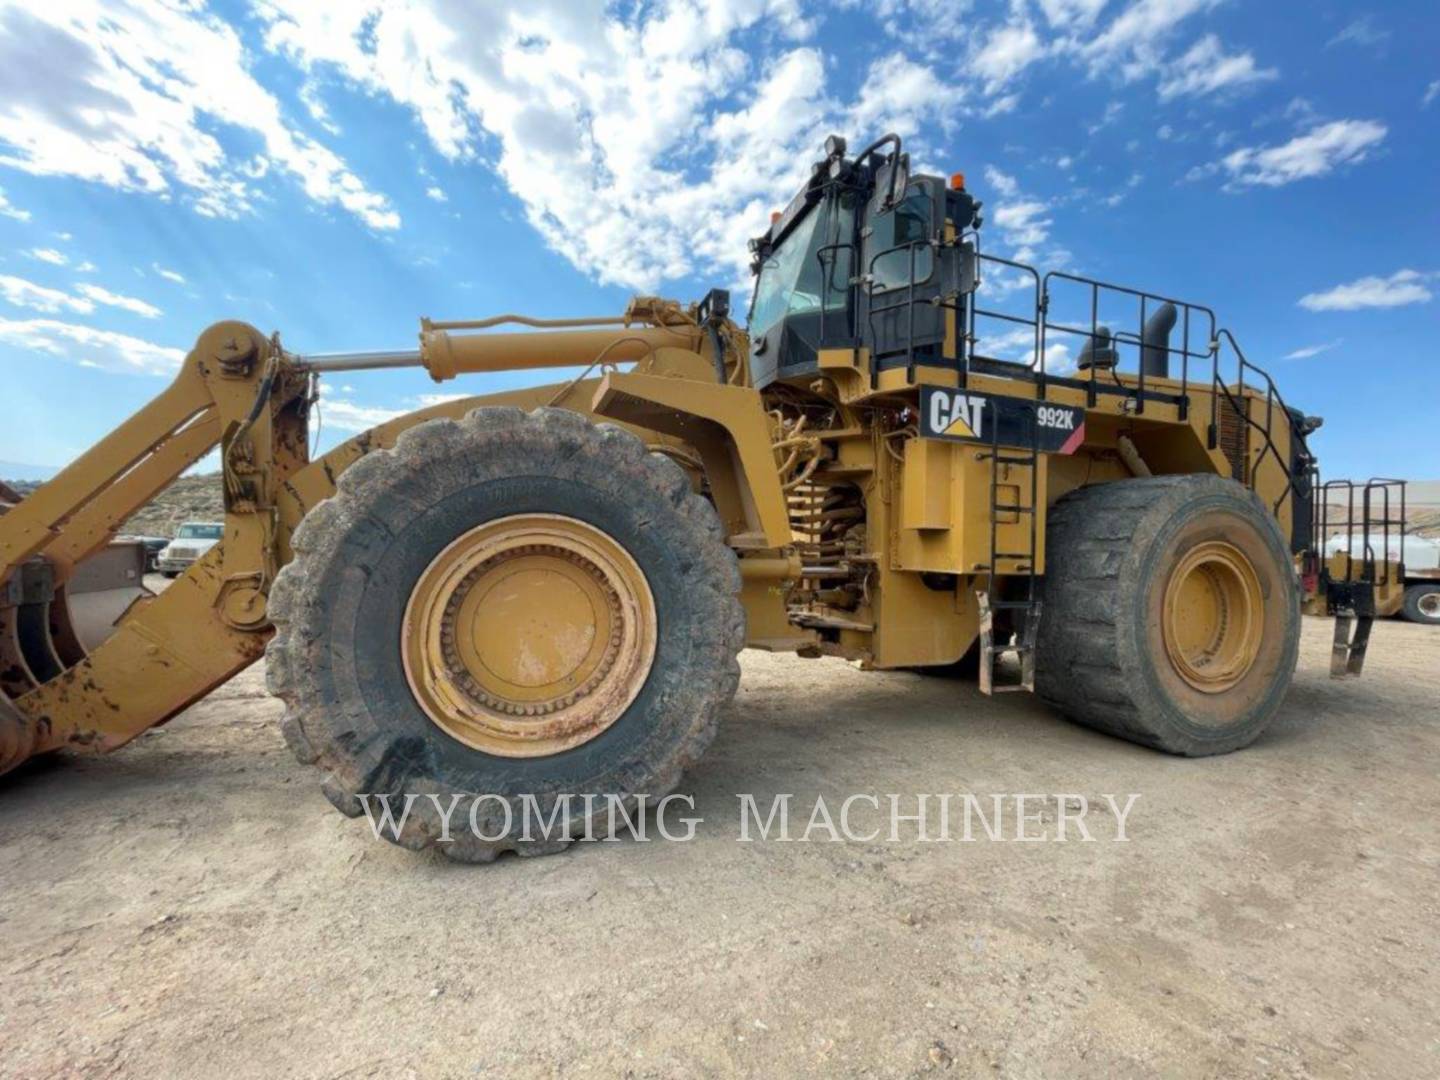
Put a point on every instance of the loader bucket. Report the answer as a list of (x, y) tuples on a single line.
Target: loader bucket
[(48, 626)]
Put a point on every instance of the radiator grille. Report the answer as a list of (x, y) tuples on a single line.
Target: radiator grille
[(1234, 438)]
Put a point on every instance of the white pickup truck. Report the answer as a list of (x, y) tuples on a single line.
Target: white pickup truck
[(192, 539), (1422, 569)]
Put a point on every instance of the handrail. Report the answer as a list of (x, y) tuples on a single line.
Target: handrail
[(1183, 307), (1037, 356), (1367, 523), (1193, 318), (1272, 397), (908, 304)]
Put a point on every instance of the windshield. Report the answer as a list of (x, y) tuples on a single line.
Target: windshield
[(200, 532), (793, 280)]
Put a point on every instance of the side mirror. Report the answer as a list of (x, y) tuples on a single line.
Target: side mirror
[(894, 181)]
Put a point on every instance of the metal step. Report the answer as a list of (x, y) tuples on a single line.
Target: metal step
[(1025, 648), (1347, 655)]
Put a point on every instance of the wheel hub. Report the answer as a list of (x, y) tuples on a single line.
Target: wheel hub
[(1213, 616), (529, 635)]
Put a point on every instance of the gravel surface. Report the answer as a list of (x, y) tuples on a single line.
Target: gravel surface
[(192, 906)]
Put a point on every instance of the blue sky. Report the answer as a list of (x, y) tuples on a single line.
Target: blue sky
[(336, 170)]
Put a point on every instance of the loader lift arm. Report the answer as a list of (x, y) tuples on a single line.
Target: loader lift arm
[(239, 390)]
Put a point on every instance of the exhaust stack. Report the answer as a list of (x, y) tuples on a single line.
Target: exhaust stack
[(1155, 342)]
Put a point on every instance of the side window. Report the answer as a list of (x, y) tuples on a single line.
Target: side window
[(897, 236)]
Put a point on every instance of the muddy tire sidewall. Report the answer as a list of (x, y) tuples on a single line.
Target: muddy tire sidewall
[(339, 610), (1236, 713)]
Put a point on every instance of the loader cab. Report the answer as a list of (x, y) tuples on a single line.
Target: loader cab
[(865, 257)]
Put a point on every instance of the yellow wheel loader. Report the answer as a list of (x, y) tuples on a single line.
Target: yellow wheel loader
[(542, 593)]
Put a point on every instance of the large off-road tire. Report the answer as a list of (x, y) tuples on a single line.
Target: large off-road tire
[(1422, 603), (533, 536), (1171, 613)]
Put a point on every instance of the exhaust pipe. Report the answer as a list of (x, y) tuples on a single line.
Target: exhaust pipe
[(1155, 342)]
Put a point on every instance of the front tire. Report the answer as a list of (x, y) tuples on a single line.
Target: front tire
[(1422, 603), (502, 607), (1171, 613)]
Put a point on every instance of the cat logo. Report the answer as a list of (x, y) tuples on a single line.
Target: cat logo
[(960, 416), (1000, 420)]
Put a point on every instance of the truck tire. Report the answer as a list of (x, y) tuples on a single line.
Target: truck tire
[(506, 610), (1171, 613), (1422, 603)]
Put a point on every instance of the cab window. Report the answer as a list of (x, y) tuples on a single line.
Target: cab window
[(810, 269), (891, 238)]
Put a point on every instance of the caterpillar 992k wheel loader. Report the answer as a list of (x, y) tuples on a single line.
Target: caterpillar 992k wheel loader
[(543, 592)]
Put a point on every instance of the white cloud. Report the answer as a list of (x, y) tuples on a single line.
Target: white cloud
[(115, 300), (1005, 53), (48, 255), (425, 401), (1021, 223), (1017, 345), (127, 94), (87, 267), (926, 26), (26, 294), (1306, 352), (1000, 106), (90, 347), (1133, 44), (168, 275), (1317, 152), (1024, 226), (1131, 183), (1003, 183), (435, 192), (1361, 31), (1113, 110), (1071, 13), (1431, 93), (7, 209), (643, 141), (310, 98), (1400, 288), (899, 95), (1206, 69), (343, 414)]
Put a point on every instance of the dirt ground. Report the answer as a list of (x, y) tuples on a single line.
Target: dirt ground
[(192, 906)]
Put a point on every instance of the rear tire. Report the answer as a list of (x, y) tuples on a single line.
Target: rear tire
[(340, 612), (1422, 603), (1171, 613)]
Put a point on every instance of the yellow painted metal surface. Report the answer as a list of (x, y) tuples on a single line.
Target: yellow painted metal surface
[(856, 537), (529, 635), (1213, 615)]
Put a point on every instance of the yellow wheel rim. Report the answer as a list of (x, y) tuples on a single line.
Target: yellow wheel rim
[(1213, 616), (529, 635)]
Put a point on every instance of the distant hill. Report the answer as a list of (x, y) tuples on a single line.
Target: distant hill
[(190, 498), (14, 470), (1423, 493)]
